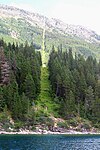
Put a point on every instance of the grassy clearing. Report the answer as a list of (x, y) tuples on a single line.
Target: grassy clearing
[(45, 103)]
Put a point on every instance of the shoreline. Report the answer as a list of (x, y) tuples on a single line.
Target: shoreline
[(45, 132)]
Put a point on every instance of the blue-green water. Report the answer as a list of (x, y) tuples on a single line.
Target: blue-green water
[(49, 142)]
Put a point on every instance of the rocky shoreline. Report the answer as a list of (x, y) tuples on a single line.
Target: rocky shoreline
[(53, 129), (68, 132)]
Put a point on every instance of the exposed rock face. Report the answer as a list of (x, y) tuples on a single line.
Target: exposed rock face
[(4, 69), (50, 24)]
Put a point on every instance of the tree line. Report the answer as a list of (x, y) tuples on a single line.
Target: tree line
[(20, 69), (75, 83)]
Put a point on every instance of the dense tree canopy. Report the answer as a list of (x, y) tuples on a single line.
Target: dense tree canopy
[(75, 81), (21, 65)]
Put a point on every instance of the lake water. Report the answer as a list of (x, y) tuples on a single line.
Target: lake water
[(49, 142)]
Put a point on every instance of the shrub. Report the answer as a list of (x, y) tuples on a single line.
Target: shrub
[(86, 125), (18, 125), (62, 124), (73, 122)]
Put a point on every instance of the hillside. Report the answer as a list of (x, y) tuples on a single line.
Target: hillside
[(19, 25), (63, 95)]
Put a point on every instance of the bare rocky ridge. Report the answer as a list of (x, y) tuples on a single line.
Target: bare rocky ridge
[(51, 25)]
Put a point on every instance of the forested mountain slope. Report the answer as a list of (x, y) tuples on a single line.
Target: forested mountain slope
[(75, 82), (20, 25), (48, 69), (68, 89)]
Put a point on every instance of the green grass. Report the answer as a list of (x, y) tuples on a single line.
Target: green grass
[(45, 84), (45, 57), (45, 102)]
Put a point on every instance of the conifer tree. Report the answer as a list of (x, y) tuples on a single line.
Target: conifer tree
[(2, 101), (89, 100), (29, 87)]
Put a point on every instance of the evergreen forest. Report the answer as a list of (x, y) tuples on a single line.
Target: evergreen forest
[(68, 87)]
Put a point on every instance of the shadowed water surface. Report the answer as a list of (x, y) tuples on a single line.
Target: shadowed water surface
[(49, 142)]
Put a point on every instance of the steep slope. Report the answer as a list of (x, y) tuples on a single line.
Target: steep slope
[(20, 25), (37, 20), (45, 104)]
